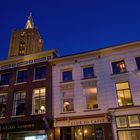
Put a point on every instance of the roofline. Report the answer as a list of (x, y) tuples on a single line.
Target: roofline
[(13, 59), (98, 51)]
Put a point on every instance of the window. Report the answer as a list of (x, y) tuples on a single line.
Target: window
[(68, 104), (124, 94), (22, 76), (133, 121), (19, 103), (67, 75), (121, 121), (129, 135), (88, 72), (118, 67), (91, 97), (40, 72), (39, 103), (138, 62), (21, 48), (5, 78), (3, 102)]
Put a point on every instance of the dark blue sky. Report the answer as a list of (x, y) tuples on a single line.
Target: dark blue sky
[(72, 26)]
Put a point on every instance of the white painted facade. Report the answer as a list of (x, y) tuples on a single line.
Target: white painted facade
[(105, 80)]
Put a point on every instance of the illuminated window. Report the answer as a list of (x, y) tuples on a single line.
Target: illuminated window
[(4, 79), (124, 94), (118, 67), (121, 122), (19, 103), (133, 120), (129, 135), (21, 48), (39, 103), (3, 102), (91, 97), (21, 76), (88, 72), (40, 72), (138, 62), (67, 75), (68, 104)]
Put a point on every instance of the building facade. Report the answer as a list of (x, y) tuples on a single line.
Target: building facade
[(96, 94), (26, 88)]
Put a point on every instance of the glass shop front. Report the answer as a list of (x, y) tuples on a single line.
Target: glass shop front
[(86, 132), (128, 127)]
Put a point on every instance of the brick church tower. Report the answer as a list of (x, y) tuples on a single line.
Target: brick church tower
[(25, 41)]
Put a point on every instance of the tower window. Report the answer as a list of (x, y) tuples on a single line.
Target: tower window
[(21, 48)]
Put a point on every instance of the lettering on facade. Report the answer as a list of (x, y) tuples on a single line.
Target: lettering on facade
[(87, 122), (80, 122), (16, 126)]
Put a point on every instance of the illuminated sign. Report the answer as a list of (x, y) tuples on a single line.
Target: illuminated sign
[(23, 126)]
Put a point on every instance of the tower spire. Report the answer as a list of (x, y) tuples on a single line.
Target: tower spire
[(29, 23)]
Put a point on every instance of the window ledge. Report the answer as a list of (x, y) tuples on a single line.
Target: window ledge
[(126, 106), (89, 78), (38, 114), (68, 81), (88, 110), (4, 85), (39, 80), (18, 116), (119, 73), (137, 72), (20, 83), (2, 117), (68, 112)]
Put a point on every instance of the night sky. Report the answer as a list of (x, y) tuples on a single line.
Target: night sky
[(72, 26)]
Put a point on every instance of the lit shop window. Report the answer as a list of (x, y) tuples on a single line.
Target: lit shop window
[(91, 97), (39, 104), (40, 72), (37, 137), (118, 67), (3, 102), (129, 135), (121, 122), (19, 103), (21, 76), (138, 62), (68, 104), (5, 79), (133, 121), (67, 75), (124, 94), (86, 132), (88, 72)]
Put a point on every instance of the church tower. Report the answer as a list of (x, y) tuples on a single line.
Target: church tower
[(25, 41)]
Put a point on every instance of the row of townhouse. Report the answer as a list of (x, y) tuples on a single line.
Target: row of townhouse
[(92, 95), (96, 94)]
